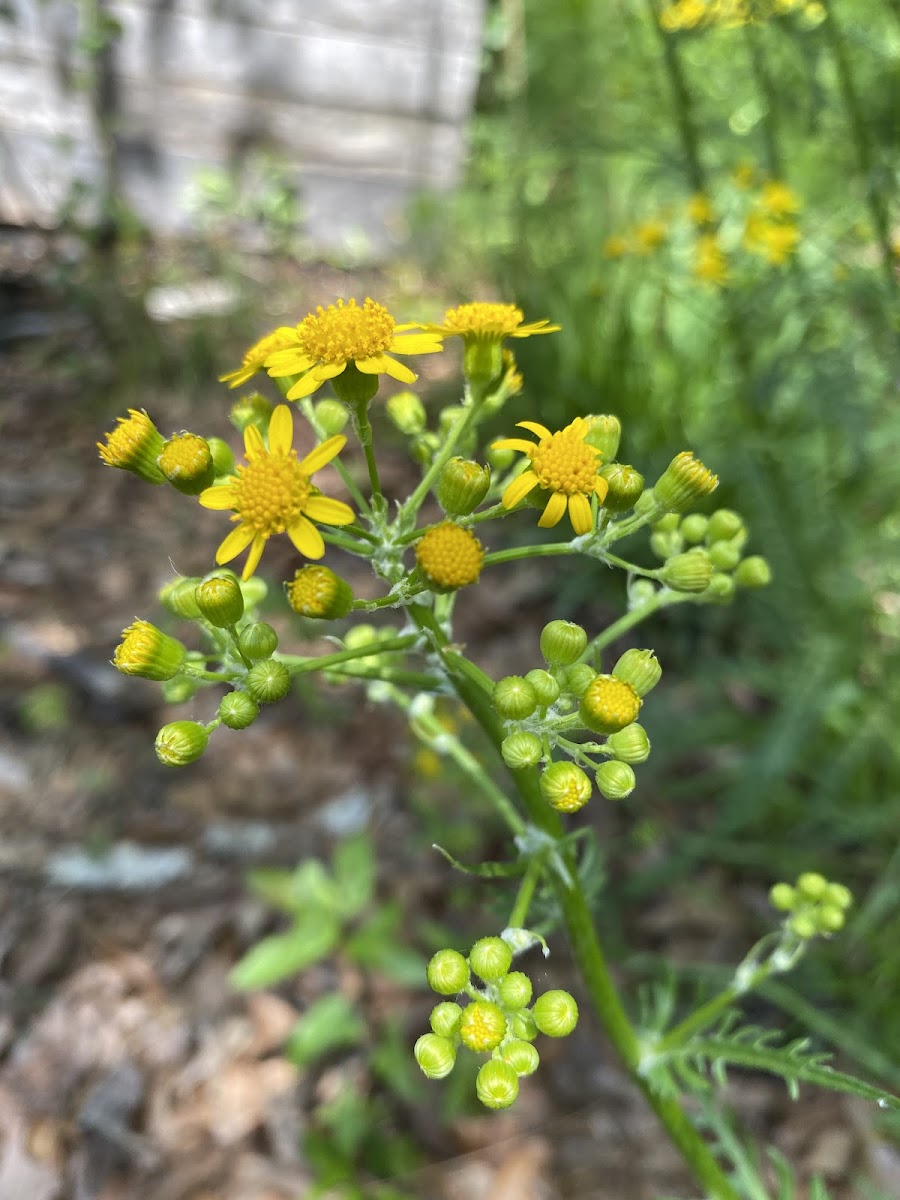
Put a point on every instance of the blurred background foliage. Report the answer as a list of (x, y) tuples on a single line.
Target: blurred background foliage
[(704, 204)]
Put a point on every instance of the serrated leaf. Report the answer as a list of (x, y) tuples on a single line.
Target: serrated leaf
[(330, 1023), (284, 954), (353, 866)]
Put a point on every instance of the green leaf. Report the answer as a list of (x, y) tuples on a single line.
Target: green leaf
[(376, 945), (353, 865), (295, 892), (488, 870), (328, 1024), (284, 954)]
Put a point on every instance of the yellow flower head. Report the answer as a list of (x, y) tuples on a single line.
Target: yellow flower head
[(482, 1026), (683, 14), (778, 200), (649, 236), (562, 463), (272, 493), (710, 264), (609, 704), (485, 322), (255, 357), (615, 246), (134, 445), (779, 243), (450, 556), (700, 209), (743, 174), (148, 652), (328, 340)]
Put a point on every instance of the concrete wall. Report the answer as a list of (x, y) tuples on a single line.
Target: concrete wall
[(365, 99)]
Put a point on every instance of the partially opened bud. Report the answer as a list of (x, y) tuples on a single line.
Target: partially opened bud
[(482, 1026), (565, 787), (685, 481), (317, 592), (609, 704), (134, 445), (149, 653), (187, 463)]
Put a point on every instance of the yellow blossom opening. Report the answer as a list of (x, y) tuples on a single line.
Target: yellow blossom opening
[(710, 264), (254, 359), (149, 653), (610, 704), (134, 445), (272, 493), (483, 321), (700, 209), (328, 340), (482, 1026), (449, 556), (562, 463), (615, 246), (649, 236), (778, 200)]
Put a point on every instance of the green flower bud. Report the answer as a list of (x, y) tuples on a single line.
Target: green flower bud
[(237, 710), (688, 572), (444, 1019), (555, 1013), (179, 690), (447, 973), (149, 653), (723, 525), (268, 681), (579, 678), (521, 1056), (811, 885), (435, 1055), (693, 528), (254, 409), (630, 745), (482, 1026), (522, 1026), (187, 463), (782, 897), (360, 636), (513, 698), (330, 416), (317, 592), (624, 486), (667, 524), (545, 686), (605, 433), (222, 456), (448, 417), (257, 641), (565, 787), (407, 412), (180, 743), (803, 925), (220, 600), (640, 592), (684, 482), (829, 918), (721, 588), (724, 556), (254, 590), (666, 543), (515, 990), (462, 486), (424, 447), (839, 895), (179, 598), (497, 1084), (354, 387), (615, 780), (753, 572), (563, 643), (521, 750), (134, 445), (640, 668), (609, 704), (490, 958)]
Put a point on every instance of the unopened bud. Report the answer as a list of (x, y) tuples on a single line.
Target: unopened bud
[(563, 643), (521, 1056), (693, 528), (497, 1084), (514, 698), (753, 572), (579, 678), (625, 485), (555, 1013), (490, 958), (257, 641), (723, 525), (254, 409), (462, 486), (631, 744), (615, 780), (565, 787), (515, 990), (640, 668), (685, 481), (268, 681), (688, 572), (180, 598), (605, 433), (330, 416), (521, 750), (447, 972), (181, 743), (721, 588), (222, 456), (546, 688), (812, 886), (435, 1055), (782, 896), (187, 463), (220, 600), (723, 555), (407, 412), (237, 710), (666, 543), (444, 1019)]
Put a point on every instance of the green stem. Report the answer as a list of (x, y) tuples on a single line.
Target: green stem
[(517, 552), (706, 1014), (299, 665), (414, 503), (360, 549), (363, 428), (308, 409), (662, 599), (519, 914), (411, 679), (770, 122), (629, 567)]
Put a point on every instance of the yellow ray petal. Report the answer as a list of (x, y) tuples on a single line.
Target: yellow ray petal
[(535, 327), (259, 544), (540, 431), (580, 513), (514, 444), (323, 453), (306, 538), (383, 364), (416, 343), (219, 498), (314, 378), (288, 362), (601, 487), (236, 378), (281, 430), (328, 511), (519, 489), (253, 443), (553, 513), (236, 541)]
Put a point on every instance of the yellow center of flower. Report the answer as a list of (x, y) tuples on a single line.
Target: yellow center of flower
[(565, 463), (572, 795), (612, 702), (133, 435), (271, 492), (479, 319), (312, 591), (344, 332), (185, 456), (450, 556), (482, 1026)]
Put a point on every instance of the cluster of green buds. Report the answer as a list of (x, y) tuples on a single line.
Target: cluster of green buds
[(704, 554), (543, 708), (500, 1019), (242, 649), (814, 907)]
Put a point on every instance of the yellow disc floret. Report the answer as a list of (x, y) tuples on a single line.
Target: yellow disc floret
[(482, 1026), (272, 493), (134, 445), (187, 462), (562, 463), (317, 592), (449, 556), (609, 704), (254, 359)]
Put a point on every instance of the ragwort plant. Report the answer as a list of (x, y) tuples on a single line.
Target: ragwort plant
[(567, 727)]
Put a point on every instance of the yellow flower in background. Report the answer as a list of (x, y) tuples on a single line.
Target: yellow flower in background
[(649, 236), (743, 175), (255, 358), (683, 14), (730, 14), (486, 322), (779, 242), (328, 340), (272, 493), (778, 200), (700, 209), (615, 246), (562, 463), (710, 264)]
